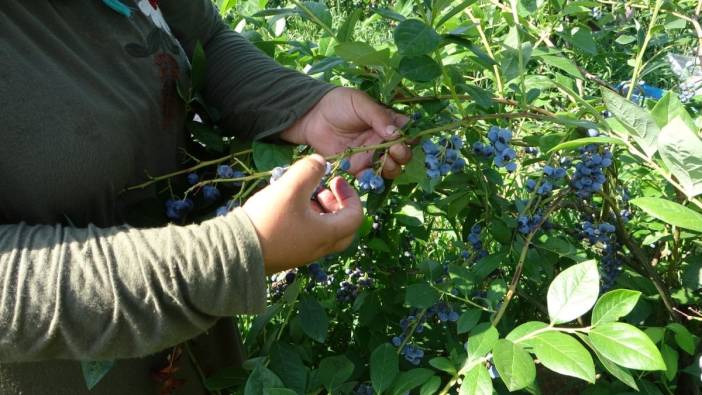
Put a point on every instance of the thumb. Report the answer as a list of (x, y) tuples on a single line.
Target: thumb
[(303, 176)]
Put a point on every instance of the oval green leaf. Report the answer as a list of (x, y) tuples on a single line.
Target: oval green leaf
[(419, 68), (413, 38), (573, 292), (627, 346), (384, 366), (613, 305), (670, 212), (563, 354), (421, 296), (515, 365), (314, 319), (481, 340), (476, 382)]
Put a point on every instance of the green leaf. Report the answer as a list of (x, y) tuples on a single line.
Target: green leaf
[(670, 212), (455, 10), (345, 32), (208, 137), (413, 38), (583, 39), (313, 318), (627, 346), (614, 305), (681, 150), (683, 337), (411, 214), (481, 340), (197, 68), (287, 364), (515, 366), (442, 363), (411, 379), (278, 391), (384, 366), (267, 156), (419, 68), (94, 371), (521, 334), (563, 354), (625, 39), (362, 54), (668, 108), (467, 320), (476, 382), (334, 371), (573, 144), (230, 376), (620, 373), (573, 292), (637, 121), (317, 13), (429, 388), (670, 357), (564, 64), (260, 379), (421, 296)]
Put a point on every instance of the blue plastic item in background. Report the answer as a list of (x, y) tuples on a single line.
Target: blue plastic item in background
[(119, 7)]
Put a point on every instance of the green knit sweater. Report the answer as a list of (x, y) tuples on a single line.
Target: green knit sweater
[(88, 106)]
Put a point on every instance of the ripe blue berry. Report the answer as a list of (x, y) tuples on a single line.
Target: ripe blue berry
[(177, 209), (193, 178), (210, 193), (225, 171), (345, 165)]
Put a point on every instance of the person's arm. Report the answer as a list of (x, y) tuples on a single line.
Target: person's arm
[(106, 293), (256, 96)]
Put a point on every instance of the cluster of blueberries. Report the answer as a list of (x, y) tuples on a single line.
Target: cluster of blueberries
[(368, 181), (443, 158), (603, 235), (318, 274), (476, 244), (688, 90), (527, 224), (411, 353), (364, 389), (498, 148), (589, 176), (443, 313), (280, 283), (177, 209), (552, 175), (356, 281)]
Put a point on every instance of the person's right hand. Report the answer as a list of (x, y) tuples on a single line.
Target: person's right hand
[(293, 229)]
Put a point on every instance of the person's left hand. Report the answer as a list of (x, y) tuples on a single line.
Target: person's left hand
[(346, 118)]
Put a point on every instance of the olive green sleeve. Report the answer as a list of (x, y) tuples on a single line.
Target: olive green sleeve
[(107, 293), (256, 96)]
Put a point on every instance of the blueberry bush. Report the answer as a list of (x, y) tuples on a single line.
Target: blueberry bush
[(545, 237)]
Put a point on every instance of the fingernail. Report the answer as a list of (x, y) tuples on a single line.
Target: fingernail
[(319, 159), (343, 189), (391, 130)]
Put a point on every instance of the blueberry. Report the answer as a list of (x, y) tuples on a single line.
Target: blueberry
[(177, 209), (210, 193), (193, 178), (345, 165), (225, 171)]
